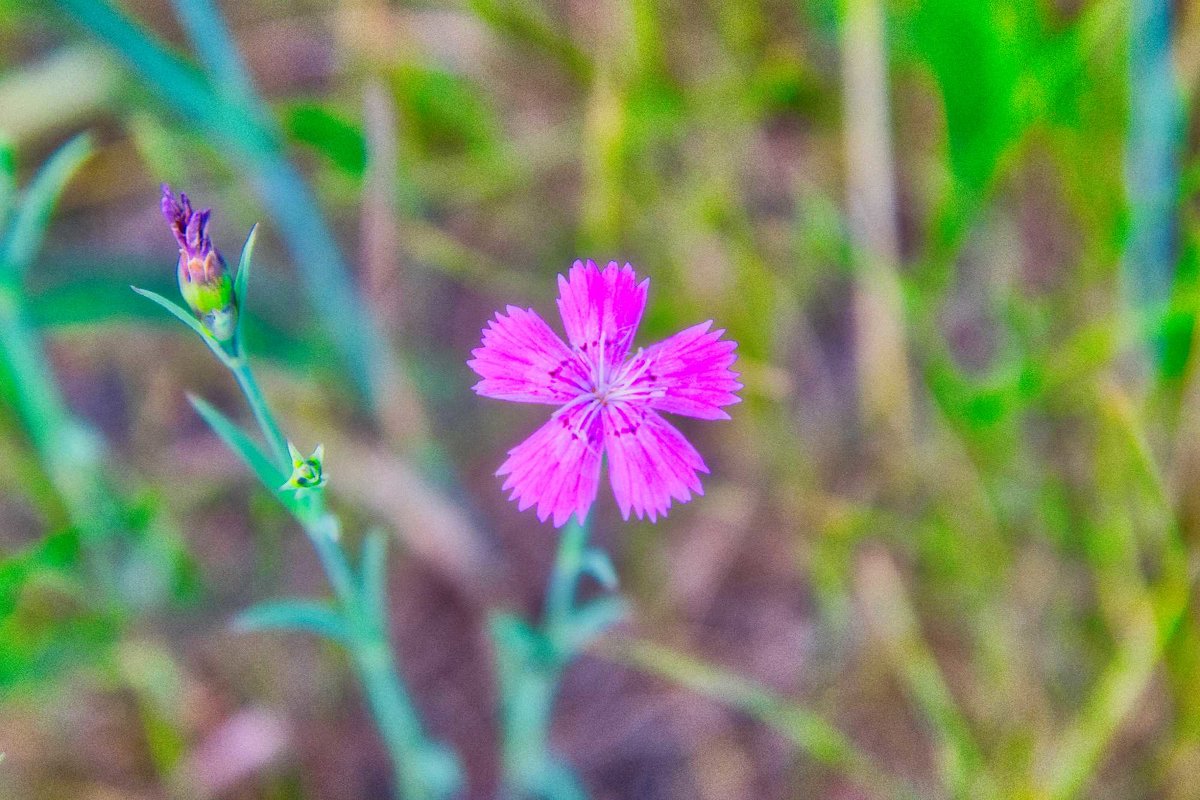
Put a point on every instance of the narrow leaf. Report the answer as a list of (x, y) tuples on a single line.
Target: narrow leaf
[(213, 43), (175, 80), (297, 615), (241, 282), (519, 646), (187, 319), (8, 183), (245, 447), (589, 623), (597, 563), (24, 238)]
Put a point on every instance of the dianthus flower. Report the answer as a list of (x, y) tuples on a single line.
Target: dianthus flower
[(608, 401)]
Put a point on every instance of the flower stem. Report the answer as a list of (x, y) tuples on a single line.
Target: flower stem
[(564, 580), (422, 769), (531, 768), (262, 413), (395, 714)]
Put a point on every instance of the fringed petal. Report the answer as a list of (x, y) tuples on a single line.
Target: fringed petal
[(523, 360), (558, 467), (601, 310), (686, 374), (649, 461)]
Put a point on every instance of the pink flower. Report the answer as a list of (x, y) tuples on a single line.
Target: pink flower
[(608, 401)]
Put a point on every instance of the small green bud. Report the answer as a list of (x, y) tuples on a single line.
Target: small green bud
[(307, 473)]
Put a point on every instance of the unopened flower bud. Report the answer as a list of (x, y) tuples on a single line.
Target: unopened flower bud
[(307, 473), (203, 279)]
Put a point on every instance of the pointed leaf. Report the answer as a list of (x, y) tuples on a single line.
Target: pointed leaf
[(597, 563), (297, 615), (519, 646), (24, 238), (589, 623), (187, 319), (212, 42), (241, 282), (240, 443)]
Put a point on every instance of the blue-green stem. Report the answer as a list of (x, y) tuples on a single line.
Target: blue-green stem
[(564, 580), (530, 768), (258, 406), (367, 637)]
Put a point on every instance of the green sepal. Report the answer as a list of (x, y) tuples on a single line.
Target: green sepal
[(308, 474), (208, 297), (297, 615)]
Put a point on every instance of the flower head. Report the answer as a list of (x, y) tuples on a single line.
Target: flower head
[(203, 280), (608, 399)]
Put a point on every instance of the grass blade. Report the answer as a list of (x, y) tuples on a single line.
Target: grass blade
[(24, 238), (215, 47), (8, 183), (806, 730)]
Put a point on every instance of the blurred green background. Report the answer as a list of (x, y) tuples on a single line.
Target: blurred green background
[(948, 547)]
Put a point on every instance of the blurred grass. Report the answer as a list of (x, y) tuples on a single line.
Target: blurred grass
[(1001, 607)]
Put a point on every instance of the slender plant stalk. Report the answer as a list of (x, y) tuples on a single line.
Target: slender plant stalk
[(366, 635), (564, 580), (258, 405), (894, 620), (532, 662)]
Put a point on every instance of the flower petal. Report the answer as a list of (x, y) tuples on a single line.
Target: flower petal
[(558, 466), (686, 374), (601, 306), (523, 360), (649, 461)]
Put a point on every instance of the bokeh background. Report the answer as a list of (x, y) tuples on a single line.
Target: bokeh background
[(948, 545)]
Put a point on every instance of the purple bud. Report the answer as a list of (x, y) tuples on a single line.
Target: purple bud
[(190, 227), (203, 280)]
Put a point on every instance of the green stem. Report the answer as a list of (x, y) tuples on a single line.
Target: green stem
[(262, 413), (391, 705), (530, 768), (564, 580)]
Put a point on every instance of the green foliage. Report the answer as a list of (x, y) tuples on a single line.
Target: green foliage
[(23, 239), (48, 622), (330, 134), (445, 112), (295, 615)]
